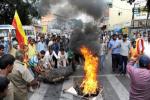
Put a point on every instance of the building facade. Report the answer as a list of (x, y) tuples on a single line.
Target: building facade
[(120, 14), (45, 20)]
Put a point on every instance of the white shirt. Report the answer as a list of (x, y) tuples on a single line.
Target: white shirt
[(125, 47), (61, 57), (147, 48), (48, 57), (103, 49), (50, 43)]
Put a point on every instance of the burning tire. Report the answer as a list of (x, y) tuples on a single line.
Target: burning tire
[(56, 75)]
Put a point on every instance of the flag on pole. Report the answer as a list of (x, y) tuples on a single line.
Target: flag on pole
[(20, 33)]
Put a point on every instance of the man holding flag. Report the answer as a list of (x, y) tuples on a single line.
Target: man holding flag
[(26, 78), (20, 34)]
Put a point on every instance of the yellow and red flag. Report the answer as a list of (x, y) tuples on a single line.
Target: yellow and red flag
[(140, 45), (20, 33)]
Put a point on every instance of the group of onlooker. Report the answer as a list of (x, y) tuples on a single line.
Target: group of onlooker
[(21, 65), (138, 69), (122, 48), (132, 57)]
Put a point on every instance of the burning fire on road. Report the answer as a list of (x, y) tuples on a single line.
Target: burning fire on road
[(88, 88), (89, 85)]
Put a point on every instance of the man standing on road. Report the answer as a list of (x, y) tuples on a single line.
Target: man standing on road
[(147, 46), (21, 78), (103, 52), (32, 49), (139, 44), (1, 50), (124, 52), (13, 48), (4, 82), (6, 66), (114, 46), (41, 45), (140, 79)]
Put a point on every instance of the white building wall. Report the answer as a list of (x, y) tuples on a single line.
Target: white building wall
[(125, 10)]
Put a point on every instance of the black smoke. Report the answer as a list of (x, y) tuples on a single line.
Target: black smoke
[(87, 37), (44, 6), (66, 10), (90, 7), (72, 8)]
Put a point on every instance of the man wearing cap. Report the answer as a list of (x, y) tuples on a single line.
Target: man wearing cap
[(140, 78)]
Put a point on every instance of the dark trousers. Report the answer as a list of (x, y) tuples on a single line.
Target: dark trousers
[(77, 58), (55, 61), (115, 61), (124, 60), (72, 63)]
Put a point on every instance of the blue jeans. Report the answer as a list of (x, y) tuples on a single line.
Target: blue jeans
[(102, 61), (124, 60)]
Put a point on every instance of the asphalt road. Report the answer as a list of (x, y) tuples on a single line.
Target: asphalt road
[(115, 87)]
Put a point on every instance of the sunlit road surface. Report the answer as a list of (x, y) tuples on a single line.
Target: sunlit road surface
[(115, 87)]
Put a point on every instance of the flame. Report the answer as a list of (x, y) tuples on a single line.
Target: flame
[(90, 82)]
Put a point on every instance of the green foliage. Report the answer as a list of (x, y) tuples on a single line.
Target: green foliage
[(25, 10), (148, 5), (131, 1)]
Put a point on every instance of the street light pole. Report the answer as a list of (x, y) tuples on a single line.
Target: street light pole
[(133, 15), (147, 18)]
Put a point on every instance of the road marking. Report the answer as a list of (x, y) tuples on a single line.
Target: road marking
[(104, 75), (66, 85), (121, 91), (40, 93)]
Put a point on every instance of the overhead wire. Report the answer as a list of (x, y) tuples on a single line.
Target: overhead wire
[(121, 8)]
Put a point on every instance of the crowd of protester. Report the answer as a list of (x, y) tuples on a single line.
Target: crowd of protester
[(130, 56), (20, 66), (122, 48)]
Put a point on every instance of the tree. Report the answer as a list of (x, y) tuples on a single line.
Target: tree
[(148, 5), (131, 1), (25, 10), (148, 11)]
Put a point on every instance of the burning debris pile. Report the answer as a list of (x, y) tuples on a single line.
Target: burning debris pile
[(85, 42), (89, 85), (56, 75), (90, 82), (89, 88)]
